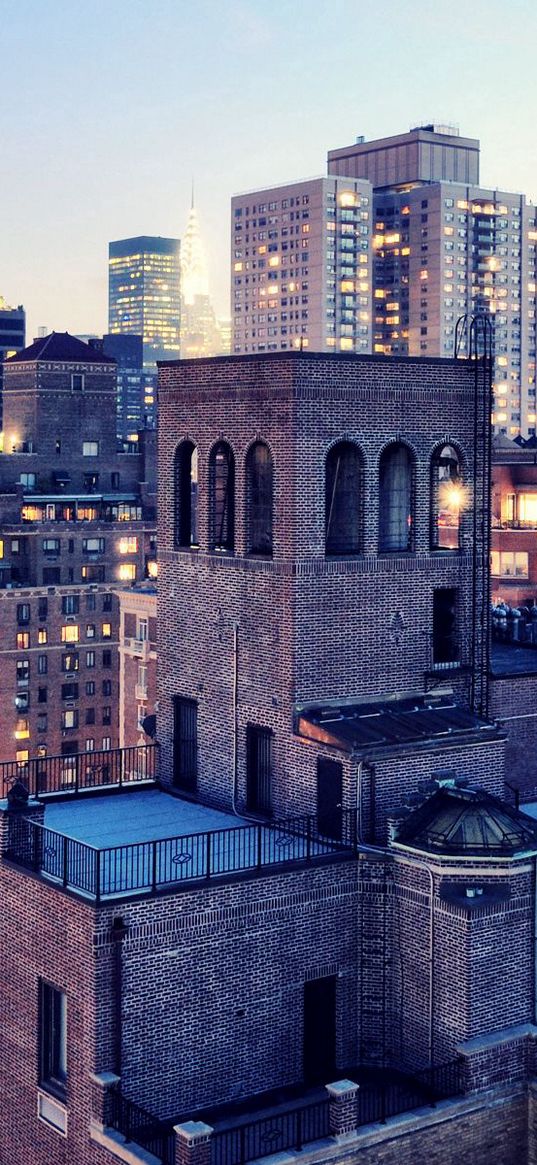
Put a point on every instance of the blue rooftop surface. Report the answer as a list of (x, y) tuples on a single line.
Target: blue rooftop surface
[(127, 818)]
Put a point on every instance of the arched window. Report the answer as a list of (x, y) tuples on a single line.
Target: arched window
[(259, 499), (343, 499), (222, 498), (186, 495), (395, 499), (446, 498)]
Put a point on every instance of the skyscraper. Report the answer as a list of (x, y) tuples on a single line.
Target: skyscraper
[(201, 334), (144, 299), (445, 247), (301, 267)]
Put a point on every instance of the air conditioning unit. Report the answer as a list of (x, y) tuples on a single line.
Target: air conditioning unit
[(70, 619)]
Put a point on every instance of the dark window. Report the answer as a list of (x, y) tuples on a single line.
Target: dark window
[(42, 609), (445, 646), (70, 691), (91, 573), (42, 695), (23, 614), (70, 604), (90, 714), (90, 602), (23, 671), (259, 769), (343, 499), (107, 687), (42, 665), (320, 1030), (90, 688), (107, 714), (107, 658), (52, 1039), (259, 499), (42, 721), (222, 497), (185, 743), (107, 602), (395, 499), (51, 575), (114, 480), (186, 495), (446, 499), (77, 381)]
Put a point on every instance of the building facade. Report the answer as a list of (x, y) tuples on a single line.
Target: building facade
[(78, 521), (12, 332), (446, 246), (301, 267), (137, 663)]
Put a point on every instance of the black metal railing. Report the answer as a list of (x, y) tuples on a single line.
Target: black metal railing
[(271, 1134), (379, 1097), (137, 1125), (116, 767), (149, 866)]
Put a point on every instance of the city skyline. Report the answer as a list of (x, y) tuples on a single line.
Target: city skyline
[(115, 116)]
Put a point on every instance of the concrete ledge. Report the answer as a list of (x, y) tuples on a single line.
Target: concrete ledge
[(506, 1035), (116, 1144)]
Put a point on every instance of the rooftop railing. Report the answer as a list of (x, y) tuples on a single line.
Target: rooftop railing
[(109, 768), (147, 867)]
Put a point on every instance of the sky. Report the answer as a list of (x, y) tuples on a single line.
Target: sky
[(110, 108)]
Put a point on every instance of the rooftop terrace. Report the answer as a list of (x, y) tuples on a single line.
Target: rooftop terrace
[(143, 842)]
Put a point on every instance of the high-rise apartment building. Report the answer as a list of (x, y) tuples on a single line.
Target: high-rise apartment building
[(444, 247), (301, 267), (144, 299)]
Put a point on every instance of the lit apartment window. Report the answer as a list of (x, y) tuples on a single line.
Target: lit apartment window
[(23, 640), (107, 630), (70, 633), (70, 661), (127, 571), (69, 718), (22, 728), (52, 1039), (90, 448), (128, 545), (509, 563)]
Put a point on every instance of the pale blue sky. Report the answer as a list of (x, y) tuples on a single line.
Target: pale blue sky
[(109, 107)]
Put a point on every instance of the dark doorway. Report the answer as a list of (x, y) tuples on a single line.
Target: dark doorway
[(259, 769), (329, 797), (320, 1030), (185, 743)]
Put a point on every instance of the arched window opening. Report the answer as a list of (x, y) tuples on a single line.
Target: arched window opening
[(259, 495), (447, 497), (343, 499), (222, 498), (395, 499), (186, 495)]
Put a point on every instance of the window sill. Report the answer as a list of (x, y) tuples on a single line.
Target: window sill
[(52, 1110)]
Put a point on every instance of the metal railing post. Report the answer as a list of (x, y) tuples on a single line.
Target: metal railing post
[(208, 855), (154, 878), (308, 838), (65, 856), (259, 846), (98, 875)]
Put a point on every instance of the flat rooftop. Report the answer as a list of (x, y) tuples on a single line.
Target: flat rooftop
[(129, 818), (508, 659)]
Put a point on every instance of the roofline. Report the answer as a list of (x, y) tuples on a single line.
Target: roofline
[(296, 354)]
